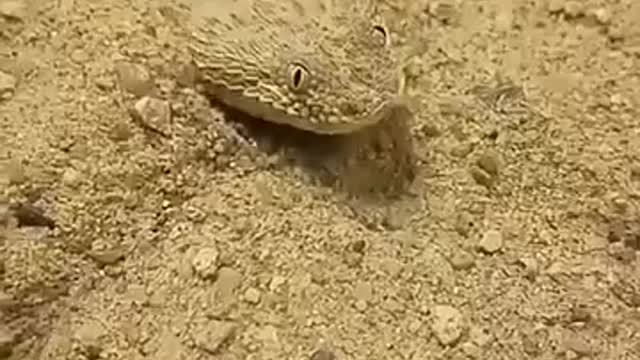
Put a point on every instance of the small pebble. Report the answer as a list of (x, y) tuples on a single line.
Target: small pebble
[(573, 8), (252, 296), (88, 336), (447, 324), (489, 161), (104, 84), (444, 10), (555, 6), (187, 76), (534, 341), (571, 355), (394, 220), (580, 314), (79, 56), (134, 78), (616, 32), (13, 9), (602, 15), (491, 242), (211, 336), (276, 282), (531, 268), (7, 86), (363, 291), (108, 256), (185, 265), (620, 204), (616, 99), (120, 131), (461, 150), (154, 114), (617, 231), (170, 348), (622, 253), (414, 326), (472, 351), (323, 354), (71, 177), (462, 260), (157, 298), (137, 294), (482, 177), (205, 262), (228, 281), (480, 337), (360, 305), (431, 130), (15, 172), (358, 246), (464, 223), (575, 343)]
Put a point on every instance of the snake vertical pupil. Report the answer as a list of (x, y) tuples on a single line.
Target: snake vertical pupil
[(297, 78)]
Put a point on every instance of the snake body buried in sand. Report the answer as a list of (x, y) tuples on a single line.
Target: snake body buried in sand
[(323, 66)]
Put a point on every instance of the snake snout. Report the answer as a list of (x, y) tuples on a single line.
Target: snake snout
[(362, 101)]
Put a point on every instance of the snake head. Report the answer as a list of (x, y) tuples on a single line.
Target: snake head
[(325, 66), (342, 71)]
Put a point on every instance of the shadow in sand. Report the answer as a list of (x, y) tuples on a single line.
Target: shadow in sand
[(377, 162)]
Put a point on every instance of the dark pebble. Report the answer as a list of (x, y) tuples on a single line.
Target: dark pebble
[(31, 215), (323, 354)]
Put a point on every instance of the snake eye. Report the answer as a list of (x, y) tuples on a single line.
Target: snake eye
[(380, 34), (298, 77)]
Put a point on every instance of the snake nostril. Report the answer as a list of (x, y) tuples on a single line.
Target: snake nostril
[(352, 108)]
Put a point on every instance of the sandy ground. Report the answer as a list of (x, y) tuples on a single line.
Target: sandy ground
[(137, 221)]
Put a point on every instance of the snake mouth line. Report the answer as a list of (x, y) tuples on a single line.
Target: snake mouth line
[(380, 113), (267, 112)]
